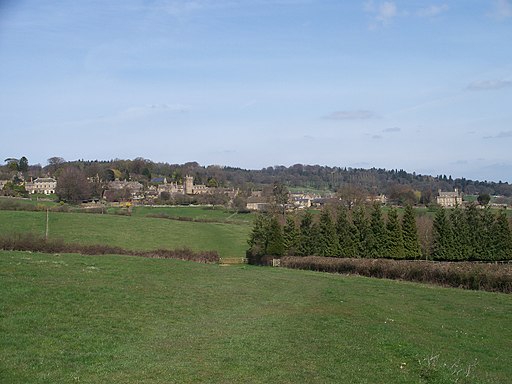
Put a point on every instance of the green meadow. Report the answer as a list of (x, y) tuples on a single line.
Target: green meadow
[(137, 232), (117, 319), (197, 213)]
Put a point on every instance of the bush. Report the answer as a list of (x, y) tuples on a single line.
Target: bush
[(466, 275), (33, 243)]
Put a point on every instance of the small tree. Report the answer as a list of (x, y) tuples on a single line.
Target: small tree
[(72, 186), (23, 164), (483, 199), (281, 196)]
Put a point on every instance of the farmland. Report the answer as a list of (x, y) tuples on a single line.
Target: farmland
[(71, 318), (137, 232)]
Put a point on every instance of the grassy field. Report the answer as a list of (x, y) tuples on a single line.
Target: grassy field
[(195, 213), (115, 319), (132, 232)]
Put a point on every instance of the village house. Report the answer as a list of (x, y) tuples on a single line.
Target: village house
[(449, 199), (135, 188), (381, 199), (302, 200), (257, 203), (42, 185)]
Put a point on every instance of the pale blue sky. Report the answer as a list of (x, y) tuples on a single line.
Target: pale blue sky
[(421, 85)]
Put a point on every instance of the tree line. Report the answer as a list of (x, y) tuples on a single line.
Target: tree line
[(363, 232), (401, 186)]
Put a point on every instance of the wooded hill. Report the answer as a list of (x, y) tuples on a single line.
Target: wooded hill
[(324, 178)]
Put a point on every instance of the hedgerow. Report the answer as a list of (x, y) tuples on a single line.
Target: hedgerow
[(33, 243), (467, 275)]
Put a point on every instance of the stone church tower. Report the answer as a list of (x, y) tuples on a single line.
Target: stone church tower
[(188, 185)]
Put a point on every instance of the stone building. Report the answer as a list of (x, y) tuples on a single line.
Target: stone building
[(42, 185), (449, 199)]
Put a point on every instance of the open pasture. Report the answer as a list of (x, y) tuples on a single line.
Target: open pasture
[(98, 319), (131, 232)]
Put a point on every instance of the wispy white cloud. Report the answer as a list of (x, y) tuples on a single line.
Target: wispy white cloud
[(432, 10), (383, 13), (391, 130), (486, 85), (130, 114), (500, 135), (352, 115), (501, 9)]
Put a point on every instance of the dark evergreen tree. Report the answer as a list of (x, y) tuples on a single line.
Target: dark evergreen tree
[(394, 240), (410, 234), (347, 234), (290, 236), (474, 224), (442, 246), (306, 236), (486, 236), (315, 237), (275, 245), (377, 233), (502, 238), (258, 239), (461, 245), (23, 164), (362, 227), (327, 244)]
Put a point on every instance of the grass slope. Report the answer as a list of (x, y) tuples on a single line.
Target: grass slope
[(131, 232), (72, 318)]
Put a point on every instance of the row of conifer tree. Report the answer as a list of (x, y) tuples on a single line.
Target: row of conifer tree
[(457, 234)]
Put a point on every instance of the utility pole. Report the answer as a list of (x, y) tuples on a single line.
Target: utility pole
[(46, 233)]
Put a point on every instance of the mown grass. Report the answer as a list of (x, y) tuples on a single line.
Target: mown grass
[(131, 232), (116, 319)]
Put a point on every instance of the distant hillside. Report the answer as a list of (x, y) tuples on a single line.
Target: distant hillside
[(328, 179)]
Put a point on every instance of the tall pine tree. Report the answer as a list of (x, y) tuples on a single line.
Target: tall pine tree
[(394, 239), (347, 234), (377, 233), (306, 244), (410, 234), (258, 239), (327, 244), (275, 244), (486, 235), (442, 246), (502, 238), (362, 229), (474, 224), (461, 245), (290, 236)]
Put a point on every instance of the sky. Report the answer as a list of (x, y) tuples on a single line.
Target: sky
[(424, 86)]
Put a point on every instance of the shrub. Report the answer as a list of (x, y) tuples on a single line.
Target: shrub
[(33, 243), (466, 275)]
